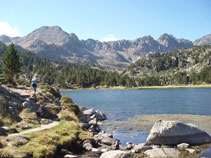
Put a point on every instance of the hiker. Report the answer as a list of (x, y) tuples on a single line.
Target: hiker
[(35, 81)]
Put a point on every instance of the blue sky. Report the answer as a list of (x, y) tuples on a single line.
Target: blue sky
[(108, 19)]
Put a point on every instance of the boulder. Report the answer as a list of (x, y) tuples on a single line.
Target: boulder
[(19, 140), (129, 145), (191, 151), (93, 121), (173, 133), (162, 153), (71, 156), (45, 121), (183, 146), (140, 147), (10, 129), (100, 116), (31, 106), (87, 145), (115, 154), (88, 112), (107, 141)]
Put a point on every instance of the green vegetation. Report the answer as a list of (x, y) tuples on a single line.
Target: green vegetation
[(182, 66), (44, 143), (11, 63), (68, 105), (68, 116), (66, 75)]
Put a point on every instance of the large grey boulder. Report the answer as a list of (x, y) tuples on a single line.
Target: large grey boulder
[(173, 133), (162, 153), (115, 154)]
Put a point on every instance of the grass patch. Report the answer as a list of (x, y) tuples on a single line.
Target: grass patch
[(68, 105), (68, 116), (44, 143), (51, 90)]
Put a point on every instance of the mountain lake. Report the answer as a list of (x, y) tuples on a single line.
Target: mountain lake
[(132, 113)]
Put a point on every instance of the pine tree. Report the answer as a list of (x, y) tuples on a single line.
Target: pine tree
[(11, 63)]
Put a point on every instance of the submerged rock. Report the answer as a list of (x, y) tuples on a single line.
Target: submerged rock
[(173, 133)]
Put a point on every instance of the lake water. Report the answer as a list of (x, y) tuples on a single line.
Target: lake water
[(120, 105)]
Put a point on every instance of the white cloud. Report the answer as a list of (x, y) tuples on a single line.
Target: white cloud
[(109, 37), (6, 29)]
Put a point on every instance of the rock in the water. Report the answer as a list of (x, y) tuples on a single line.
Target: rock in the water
[(100, 116), (173, 133), (115, 154), (162, 153), (88, 112), (183, 146)]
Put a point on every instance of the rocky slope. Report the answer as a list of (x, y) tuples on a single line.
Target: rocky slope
[(165, 66), (205, 40), (54, 43)]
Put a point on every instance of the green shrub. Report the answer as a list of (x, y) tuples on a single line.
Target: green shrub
[(66, 99), (44, 151), (51, 90), (68, 116), (72, 107), (29, 117), (69, 105)]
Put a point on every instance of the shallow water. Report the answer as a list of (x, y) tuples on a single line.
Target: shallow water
[(121, 105)]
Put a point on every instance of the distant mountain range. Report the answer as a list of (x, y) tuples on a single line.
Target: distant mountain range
[(54, 43)]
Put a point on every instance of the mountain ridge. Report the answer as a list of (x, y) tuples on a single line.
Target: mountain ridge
[(54, 43)]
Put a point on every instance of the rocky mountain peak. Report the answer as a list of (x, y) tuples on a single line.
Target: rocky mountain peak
[(167, 39)]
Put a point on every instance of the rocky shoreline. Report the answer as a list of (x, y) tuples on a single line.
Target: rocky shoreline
[(166, 139)]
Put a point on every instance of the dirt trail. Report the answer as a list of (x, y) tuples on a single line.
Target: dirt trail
[(42, 127), (23, 91)]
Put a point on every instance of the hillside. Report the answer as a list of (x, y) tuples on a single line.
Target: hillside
[(54, 43), (181, 66), (66, 75)]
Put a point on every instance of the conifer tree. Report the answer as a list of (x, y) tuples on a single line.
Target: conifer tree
[(11, 63)]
